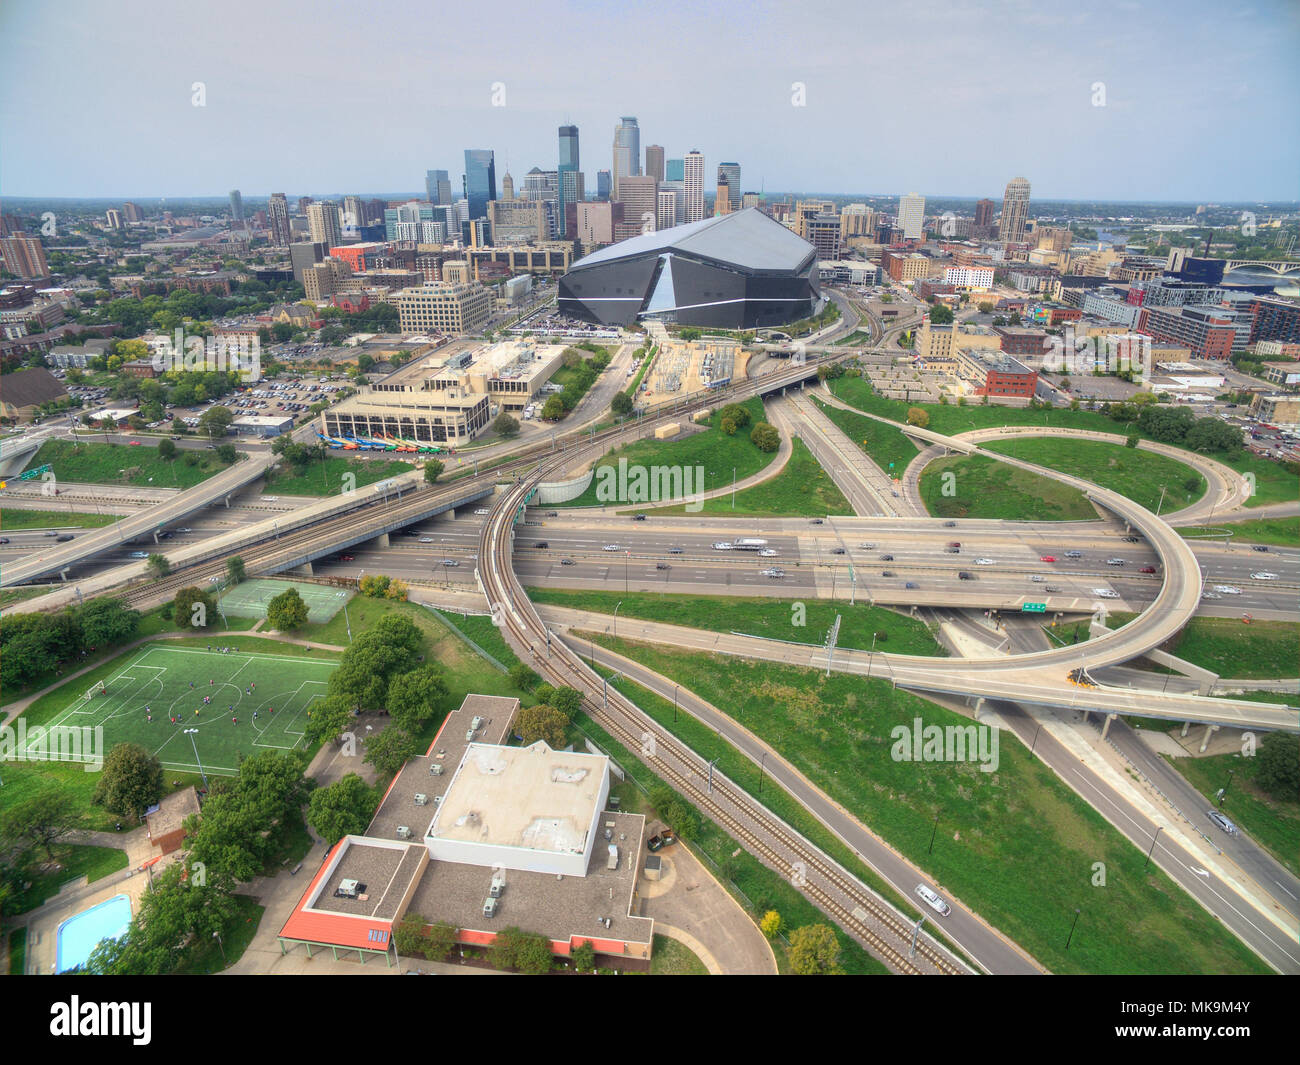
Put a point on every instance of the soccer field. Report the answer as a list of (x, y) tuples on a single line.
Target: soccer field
[(170, 684)]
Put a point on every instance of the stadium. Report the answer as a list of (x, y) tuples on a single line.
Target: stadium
[(735, 271)]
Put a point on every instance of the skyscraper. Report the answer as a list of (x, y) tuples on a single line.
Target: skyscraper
[(437, 186), (673, 170), (236, 206), (602, 184), (480, 180), (278, 216), (326, 223), (730, 172), (132, 212), (1015, 211), (569, 173), (627, 151), (984, 216), (911, 216), (693, 171), (654, 161), (639, 196), (24, 256), (353, 212)]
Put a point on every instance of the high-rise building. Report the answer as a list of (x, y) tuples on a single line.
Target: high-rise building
[(353, 212), (132, 212), (722, 198), (674, 170), (627, 151), (731, 173), (303, 203), (667, 207), (654, 161), (325, 221), (856, 220), (1015, 211), (24, 256), (750, 199), (437, 186), (541, 185), (507, 187), (115, 220), (305, 254), (693, 180), (911, 216), (278, 214), (480, 180), (678, 191), (984, 215), (639, 196), (602, 184), (569, 174), (236, 206)]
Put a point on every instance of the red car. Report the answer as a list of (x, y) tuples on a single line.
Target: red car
[(1147, 569), (346, 558), (135, 443), (1047, 558)]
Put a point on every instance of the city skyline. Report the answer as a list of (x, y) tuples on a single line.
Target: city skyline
[(1056, 122)]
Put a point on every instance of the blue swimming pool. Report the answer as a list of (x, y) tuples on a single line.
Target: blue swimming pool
[(82, 932)]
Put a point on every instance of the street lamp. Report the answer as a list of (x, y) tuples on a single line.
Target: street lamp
[(1072, 927), (934, 833), (620, 603), (675, 690), (761, 766), (1159, 829), (217, 937), (191, 732), (605, 688)]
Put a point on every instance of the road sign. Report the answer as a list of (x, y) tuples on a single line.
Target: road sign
[(33, 474), (1033, 608)]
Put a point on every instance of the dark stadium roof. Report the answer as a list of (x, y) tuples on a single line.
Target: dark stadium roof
[(747, 238)]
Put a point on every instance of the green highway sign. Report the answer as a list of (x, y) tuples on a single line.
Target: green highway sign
[(32, 474), (1033, 608)]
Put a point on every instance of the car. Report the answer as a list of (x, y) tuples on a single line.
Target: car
[(426, 539), (50, 532), (1038, 578), (886, 558), (1263, 575), (721, 545), (932, 899), (1130, 539), (867, 546), (638, 517), (133, 443), (63, 539), (910, 584), (542, 545), (962, 575), (481, 511), (165, 535), (567, 562), (271, 499), (953, 550), (1074, 554), (552, 513), (773, 572), (887, 573), (1227, 589), (767, 552), (1211, 595), (678, 551), (655, 842), (950, 525), (954, 543), (139, 554), (1223, 822), (837, 550), (1147, 569), (4, 539), (1052, 591), (449, 562), (984, 562), (1116, 562), (818, 521), (1046, 558), (1105, 593), (662, 565), (611, 547)]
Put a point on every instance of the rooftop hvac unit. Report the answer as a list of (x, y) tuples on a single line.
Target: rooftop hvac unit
[(498, 886), (469, 736), (435, 768), (403, 832), (490, 907), (612, 863), (421, 799), (476, 724)]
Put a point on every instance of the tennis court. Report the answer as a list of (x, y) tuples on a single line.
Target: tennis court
[(236, 702), (249, 599)]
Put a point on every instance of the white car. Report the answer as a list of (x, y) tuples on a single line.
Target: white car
[(481, 511), (767, 552), (1263, 576), (1105, 593), (1211, 595), (773, 572), (983, 562), (933, 900), (426, 539), (721, 545), (611, 547), (1227, 589), (1038, 578)]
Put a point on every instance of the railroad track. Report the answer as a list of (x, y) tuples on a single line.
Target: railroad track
[(831, 888)]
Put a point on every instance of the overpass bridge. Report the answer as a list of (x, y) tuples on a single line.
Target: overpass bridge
[(1279, 268)]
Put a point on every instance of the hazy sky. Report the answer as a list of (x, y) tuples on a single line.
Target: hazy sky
[(940, 98)]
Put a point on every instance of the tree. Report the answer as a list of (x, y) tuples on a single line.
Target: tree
[(107, 621), (390, 749), (432, 470), (342, 809), (567, 701), (130, 782), (514, 948), (522, 677), (43, 818), (918, 417), (408, 934), (158, 565), (287, 611), (584, 957), (166, 450), (553, 410), (985, 307), (235, 570), (765, 437), (1278, 771), (227, 453), (215, 421), (814, 951), (505, 426), (621, 404), (194, 608), (178, 426), (439, 938), (327, 719), (770, 925), (415, 697), (541, 722), (737, 412), (377, 655), (940, 314), (1131, 440), (728, 426)]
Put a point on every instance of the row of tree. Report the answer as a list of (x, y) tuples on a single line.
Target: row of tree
[(34, 646)]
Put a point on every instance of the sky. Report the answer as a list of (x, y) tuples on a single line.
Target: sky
[(1130, 100)]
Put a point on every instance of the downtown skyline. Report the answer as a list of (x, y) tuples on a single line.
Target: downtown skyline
[(1019, 96)]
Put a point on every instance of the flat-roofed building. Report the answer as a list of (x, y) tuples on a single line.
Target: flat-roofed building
[(1276, 409), (518, 221), (937, 341), (443, 307), (1286, 374), (992, 373)]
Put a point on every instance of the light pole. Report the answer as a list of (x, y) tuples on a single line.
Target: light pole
[(934, 833), (190, 732), (676, 687), (220, 944), (761, 766), (733, 487), (1162, 499), (1159, 829), (1072, 927), (605, 688), (620, 603)]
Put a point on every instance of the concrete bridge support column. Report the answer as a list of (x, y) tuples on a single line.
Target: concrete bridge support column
[(979, 705), (63, 573), (228, 495), (449, 514), (382, 540), (1210, 730), (1105, 729), (1186, 725)]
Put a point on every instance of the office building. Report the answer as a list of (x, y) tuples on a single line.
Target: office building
[(132, 212), (569, 175), (1015, 211), (736, 271), (730, 172), (24, 256), (674, 170), (325, 222), (115, 219), (640, 199), (856, 220), (627, 151), (437, 186), (602, 184), (654, 161), (236, 207), (667, 213), (518, 221), (693, 182), (353, 212), (442, 307), (305, 254), (911, 216), (480, 180), (983, 224), (823, 233), (277, 213)]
